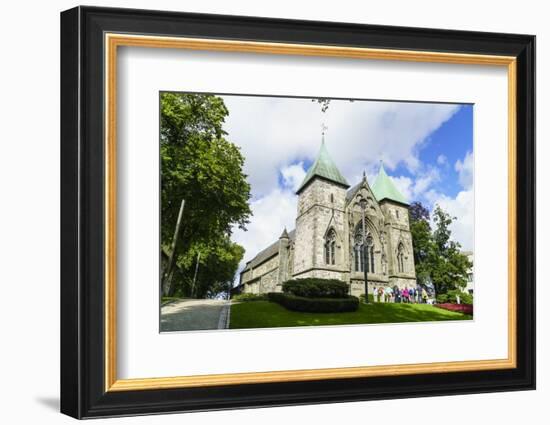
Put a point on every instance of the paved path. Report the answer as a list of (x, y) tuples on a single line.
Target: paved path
[(194, 315)]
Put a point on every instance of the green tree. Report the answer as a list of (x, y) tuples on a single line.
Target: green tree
[(221, 267), (450, 266), (423, 247), (437, 257), (199, 165)]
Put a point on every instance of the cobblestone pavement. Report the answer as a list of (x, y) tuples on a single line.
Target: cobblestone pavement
[(194, 315)]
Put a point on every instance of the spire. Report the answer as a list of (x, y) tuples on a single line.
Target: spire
[(383, 188), (323, 167), (284, 235)]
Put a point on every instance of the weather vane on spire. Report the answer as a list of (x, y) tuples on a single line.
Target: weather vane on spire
[(324, 128)]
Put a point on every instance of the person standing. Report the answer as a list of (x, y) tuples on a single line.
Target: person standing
[(396, 294), (405, 295), (389, 294), (381, 294)]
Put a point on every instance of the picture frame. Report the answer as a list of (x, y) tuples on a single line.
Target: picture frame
[(90, 39)]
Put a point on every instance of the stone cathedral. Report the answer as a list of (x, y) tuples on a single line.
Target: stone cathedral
[(328, 239)]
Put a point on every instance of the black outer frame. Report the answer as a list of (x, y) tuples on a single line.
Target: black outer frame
[(82, 212)]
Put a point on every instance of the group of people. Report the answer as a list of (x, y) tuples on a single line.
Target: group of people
[(417, 295)]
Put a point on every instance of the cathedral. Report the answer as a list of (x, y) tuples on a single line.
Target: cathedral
[(334, 223)]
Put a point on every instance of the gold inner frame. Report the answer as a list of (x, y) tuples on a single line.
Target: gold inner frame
[(113, 41)]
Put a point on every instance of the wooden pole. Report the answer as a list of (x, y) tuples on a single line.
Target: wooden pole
[(167, 284), (195, 275)]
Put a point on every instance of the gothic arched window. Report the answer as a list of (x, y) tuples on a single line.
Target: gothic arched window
[(400, 258), (370, 254), (330, 247), (364, 258), (358, 253)]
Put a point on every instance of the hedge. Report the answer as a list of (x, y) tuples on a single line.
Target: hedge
[(316, 288), (314, 305), (249, 297)]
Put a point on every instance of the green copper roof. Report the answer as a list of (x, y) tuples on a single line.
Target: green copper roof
[(325, 168), (383, 188)]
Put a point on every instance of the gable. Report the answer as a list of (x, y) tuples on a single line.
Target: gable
[(362, 189)]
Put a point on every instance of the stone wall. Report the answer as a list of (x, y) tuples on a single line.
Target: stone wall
[(263, 278), (252, 287), (266, 266), (283, 258), (246, 276), (401, 282), (269, 282), (398, 232), (320, 207), (323, 274)]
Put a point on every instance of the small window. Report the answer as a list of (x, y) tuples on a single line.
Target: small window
[(332, 198), (397, 213), (330, 248)]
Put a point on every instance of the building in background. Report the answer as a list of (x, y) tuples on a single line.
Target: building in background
[(469, 288)]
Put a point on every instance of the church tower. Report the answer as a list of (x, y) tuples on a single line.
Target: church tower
[(396, 212), (319, 249)]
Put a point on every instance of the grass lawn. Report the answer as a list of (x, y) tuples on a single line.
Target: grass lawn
[(265, 314)]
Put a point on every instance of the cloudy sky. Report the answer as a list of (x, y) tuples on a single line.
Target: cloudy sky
[(426, 148)]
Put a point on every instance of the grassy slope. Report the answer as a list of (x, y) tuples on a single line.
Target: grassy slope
[(264, 314)]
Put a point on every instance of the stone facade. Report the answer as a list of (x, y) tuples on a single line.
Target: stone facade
[(328, 239)]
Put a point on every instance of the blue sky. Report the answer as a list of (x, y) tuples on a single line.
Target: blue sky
[(443, 148), (426, 149)]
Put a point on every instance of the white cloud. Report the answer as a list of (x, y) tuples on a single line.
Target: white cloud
[(465, 170), (442, 160), (293, 175), (270, 215), (404, 185), (414, 190), (461, 207), (273, 133), (424, 180)]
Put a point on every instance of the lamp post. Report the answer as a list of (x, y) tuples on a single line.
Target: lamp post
[(363, 205)]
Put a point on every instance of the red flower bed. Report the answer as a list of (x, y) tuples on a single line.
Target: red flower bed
[(461, 308)]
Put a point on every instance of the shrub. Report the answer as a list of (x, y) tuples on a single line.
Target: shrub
[(442, 298), (316, 288), (314, 305), (249, 297), (450, 297)]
